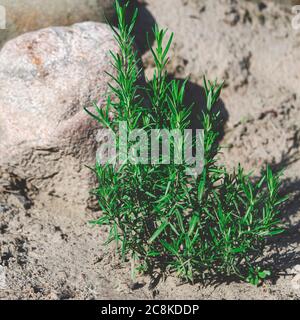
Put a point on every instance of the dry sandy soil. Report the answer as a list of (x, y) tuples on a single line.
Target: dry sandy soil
[(47, 248)]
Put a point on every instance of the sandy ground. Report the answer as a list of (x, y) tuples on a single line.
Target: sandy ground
[(47, 248)]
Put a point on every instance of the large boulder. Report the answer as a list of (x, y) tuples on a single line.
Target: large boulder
[(29, 15), (46, 79)]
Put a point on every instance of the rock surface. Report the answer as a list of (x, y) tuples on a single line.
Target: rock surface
[(46, 79), (29, 15)]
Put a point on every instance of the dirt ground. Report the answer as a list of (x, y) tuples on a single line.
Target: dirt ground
[(47, 248)]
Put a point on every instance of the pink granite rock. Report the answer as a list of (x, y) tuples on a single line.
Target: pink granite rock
[(46, 78), (30, 15)]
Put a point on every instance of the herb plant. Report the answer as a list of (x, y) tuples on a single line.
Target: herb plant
[(210, 225)]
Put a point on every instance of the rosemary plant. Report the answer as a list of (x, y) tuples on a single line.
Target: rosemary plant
[(209, 225)]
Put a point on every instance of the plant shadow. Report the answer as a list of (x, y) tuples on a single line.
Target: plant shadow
[(195, 97), (283, 248), (144, 25)]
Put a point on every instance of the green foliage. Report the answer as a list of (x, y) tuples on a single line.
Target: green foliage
[(214, 224), (256, 276)]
